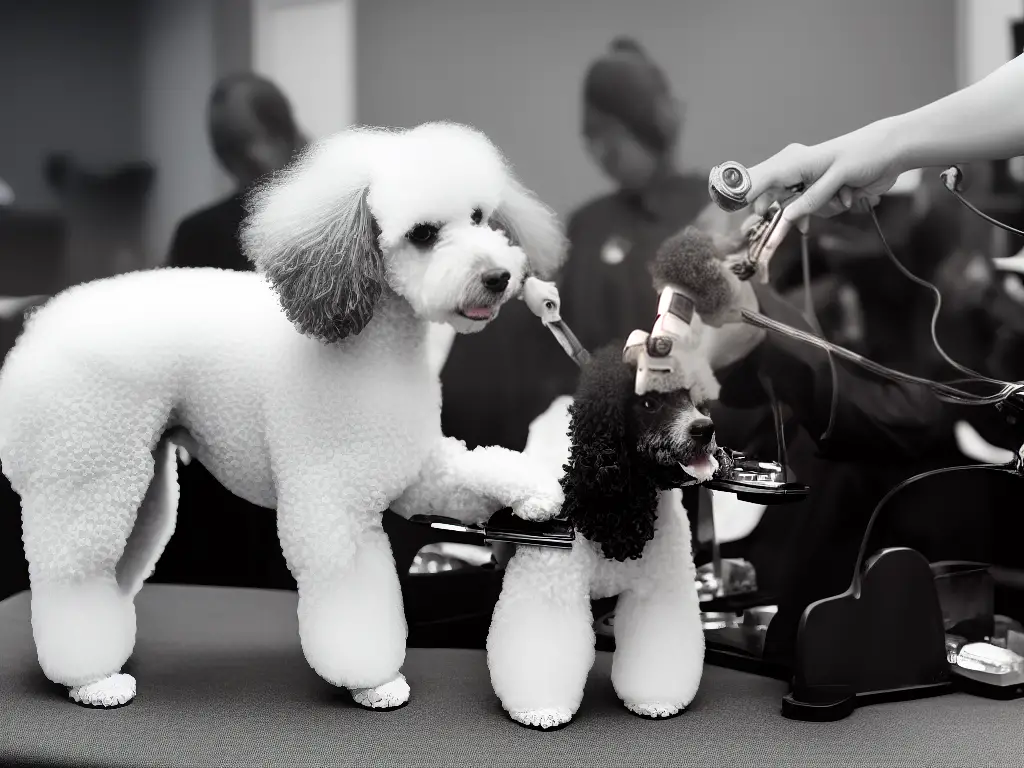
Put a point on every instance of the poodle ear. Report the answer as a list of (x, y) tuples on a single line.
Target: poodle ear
[(607, 498), (532, 226), (310, 231)]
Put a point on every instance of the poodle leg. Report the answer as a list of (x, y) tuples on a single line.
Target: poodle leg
[(659, 647), (83, 619), (153, 528), (351, 621), (472, 485), (540, 647)]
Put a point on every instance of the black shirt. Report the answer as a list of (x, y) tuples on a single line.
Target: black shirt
[(606, 286), (209, 237)]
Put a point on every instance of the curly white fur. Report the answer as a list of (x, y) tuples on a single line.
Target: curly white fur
[(307, 387), (540, 647)]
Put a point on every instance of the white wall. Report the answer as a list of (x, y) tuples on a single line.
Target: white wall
[(984, 40), (308, 47), (177, 71), (186, 46), (755, 75)]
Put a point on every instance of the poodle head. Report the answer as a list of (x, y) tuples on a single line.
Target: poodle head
[(625, 448), (432, 214)]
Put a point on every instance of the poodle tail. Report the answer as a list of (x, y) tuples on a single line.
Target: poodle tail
[(155, 522)]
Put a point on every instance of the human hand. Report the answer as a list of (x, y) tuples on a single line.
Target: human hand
[(835, 175)]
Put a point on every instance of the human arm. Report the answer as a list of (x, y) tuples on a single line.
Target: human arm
[(984, 121)]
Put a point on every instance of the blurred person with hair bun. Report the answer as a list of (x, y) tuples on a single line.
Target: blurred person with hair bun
[(253, 133), (632, 125)]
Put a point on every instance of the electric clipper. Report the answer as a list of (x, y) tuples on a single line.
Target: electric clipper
[(506, 527)]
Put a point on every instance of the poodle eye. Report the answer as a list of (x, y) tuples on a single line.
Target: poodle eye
[(650, 404), (423, 235), (478, 216)]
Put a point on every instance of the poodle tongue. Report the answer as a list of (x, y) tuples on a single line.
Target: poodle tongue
[(477, 313), (702, 467)]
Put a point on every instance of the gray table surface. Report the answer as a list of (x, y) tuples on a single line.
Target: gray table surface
[(223, 682)]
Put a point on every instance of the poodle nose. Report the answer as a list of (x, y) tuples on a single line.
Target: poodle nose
[(496, 280), (702, 430)]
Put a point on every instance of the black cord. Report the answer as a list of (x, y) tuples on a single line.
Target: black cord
[(812, 318), (994, 222), (944, 392), (862, 552), (936, 310)]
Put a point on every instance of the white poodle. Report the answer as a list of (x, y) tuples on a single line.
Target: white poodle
[(307, 387)]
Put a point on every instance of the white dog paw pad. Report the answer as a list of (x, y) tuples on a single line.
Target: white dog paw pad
[(655, 711), (544, 719), (383, 697), (114, 691)]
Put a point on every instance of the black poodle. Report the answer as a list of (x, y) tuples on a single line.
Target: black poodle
[(628, 455), (625, 449)]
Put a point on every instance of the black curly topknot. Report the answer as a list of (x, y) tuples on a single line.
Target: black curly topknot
[(689, 260), (610, 497)]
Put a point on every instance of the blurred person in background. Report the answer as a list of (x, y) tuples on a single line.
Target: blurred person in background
[(222, 539), (253, 132), (632, 126)]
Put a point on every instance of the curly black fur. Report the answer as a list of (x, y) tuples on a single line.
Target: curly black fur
[(690, 261), (610, 496)]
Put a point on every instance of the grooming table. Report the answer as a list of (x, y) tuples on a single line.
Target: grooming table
[(223, 683)]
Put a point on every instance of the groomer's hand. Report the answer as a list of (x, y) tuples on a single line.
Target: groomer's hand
[(836, 176)]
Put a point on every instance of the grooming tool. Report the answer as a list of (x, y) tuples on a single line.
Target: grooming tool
[(747, 264), (504, 526), (543, 300), (758, 482), (730, 183), (658, 355)]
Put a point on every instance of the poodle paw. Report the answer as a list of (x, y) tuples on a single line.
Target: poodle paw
[(114, 691), (539, 508), (383, 697), (542, 719), (655, 711)]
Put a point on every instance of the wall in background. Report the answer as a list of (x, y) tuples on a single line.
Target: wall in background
[(754, 76), (308, 48), (186, 46), (984, 40), (67, 84)]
